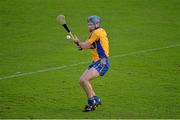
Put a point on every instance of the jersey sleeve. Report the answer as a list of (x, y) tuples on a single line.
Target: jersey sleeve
[(94, 37)]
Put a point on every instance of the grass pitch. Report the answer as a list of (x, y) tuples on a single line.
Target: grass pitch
[(138, 84)]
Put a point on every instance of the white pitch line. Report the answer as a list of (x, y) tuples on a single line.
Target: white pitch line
[(146, 50), (81, 63), (41, 71)]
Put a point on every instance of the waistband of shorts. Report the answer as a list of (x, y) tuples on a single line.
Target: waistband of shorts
[(101, 59)]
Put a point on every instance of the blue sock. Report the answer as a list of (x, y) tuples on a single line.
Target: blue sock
[(91, 101), (97, 99)]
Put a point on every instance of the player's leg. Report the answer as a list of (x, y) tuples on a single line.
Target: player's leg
[(85, 81), (98, 68)]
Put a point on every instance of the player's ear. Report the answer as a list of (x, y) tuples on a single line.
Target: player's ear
[(97, 25)]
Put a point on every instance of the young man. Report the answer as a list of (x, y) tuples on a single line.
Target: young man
[(99, 45)]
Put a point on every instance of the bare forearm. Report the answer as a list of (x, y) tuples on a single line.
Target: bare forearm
[(84, 45)]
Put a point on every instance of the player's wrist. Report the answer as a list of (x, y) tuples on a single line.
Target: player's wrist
[(77, 42)]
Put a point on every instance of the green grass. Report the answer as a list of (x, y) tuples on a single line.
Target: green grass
[(144, 85)]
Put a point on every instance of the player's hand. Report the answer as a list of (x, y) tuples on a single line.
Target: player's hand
[(77, 41)]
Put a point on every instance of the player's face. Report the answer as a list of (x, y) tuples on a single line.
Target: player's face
[(91, 26)]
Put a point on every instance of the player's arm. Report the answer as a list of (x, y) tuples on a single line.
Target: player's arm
[(80, 44), (86, 45)]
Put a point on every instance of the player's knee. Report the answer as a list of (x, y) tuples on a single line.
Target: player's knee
[(82, 80)]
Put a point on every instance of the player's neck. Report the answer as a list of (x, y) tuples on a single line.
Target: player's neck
[(95, 29)]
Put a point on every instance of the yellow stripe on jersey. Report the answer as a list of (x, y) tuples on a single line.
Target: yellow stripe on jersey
[(99, 40)]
